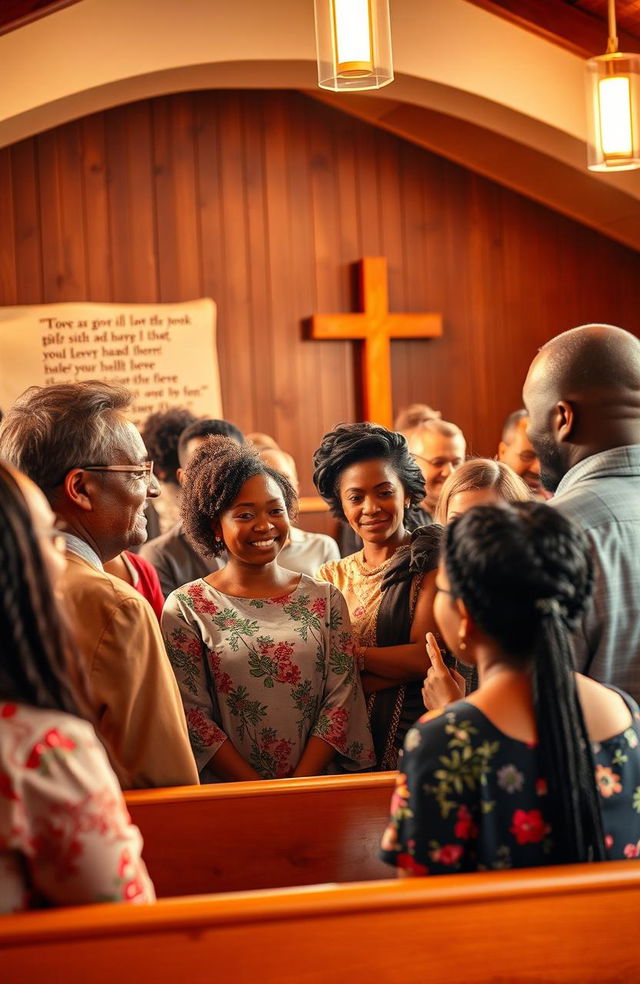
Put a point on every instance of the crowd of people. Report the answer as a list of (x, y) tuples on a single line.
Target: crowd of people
[(499, 595)]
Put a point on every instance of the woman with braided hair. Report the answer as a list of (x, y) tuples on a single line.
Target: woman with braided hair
[(65, 834), (368, 478), (540, 765)]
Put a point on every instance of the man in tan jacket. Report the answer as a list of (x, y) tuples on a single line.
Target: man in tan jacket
[(74, 441)]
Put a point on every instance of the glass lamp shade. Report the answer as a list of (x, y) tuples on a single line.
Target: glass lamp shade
[(353, 43), (613, 112)]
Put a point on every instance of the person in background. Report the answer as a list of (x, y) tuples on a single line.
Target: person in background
[(368, 478), (584, 423), (439, 448), (65, 834), (140, 574), (161, 432), (263, 656), (540, 765), (260, 440), (479, 482), (515, 449), (413, 416), (173, 556), (75, 442), (304, 552)]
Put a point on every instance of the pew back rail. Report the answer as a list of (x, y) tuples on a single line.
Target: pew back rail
[(233, 837), (558, 925)]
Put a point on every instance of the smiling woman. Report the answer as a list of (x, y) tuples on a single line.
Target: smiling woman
[(367, 476), (263, 656)]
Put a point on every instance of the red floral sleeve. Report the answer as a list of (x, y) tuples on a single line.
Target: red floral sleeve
[(70, 820)]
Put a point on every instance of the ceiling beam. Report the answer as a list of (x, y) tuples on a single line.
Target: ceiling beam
[(560, 23), (18, 13)]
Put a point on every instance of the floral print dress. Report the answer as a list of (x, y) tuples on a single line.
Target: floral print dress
[(65, 834), (267, 674), (469, 798)]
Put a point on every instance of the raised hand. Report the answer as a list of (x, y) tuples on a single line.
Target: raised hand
[(441, 685)]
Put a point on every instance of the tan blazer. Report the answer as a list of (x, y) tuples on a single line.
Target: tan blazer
[(132, 686)]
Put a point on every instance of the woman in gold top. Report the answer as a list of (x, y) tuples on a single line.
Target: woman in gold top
[(367, 476)]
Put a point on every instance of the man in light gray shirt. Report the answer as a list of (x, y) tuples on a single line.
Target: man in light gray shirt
[(582, 393)]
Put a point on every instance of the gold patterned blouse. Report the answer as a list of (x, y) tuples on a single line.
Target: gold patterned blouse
[(360, 586)]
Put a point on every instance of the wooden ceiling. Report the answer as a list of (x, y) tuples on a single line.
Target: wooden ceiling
[(579, 25), (17, 13)]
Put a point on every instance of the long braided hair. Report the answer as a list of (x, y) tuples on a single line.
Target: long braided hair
[(35, 665), (525, 576)]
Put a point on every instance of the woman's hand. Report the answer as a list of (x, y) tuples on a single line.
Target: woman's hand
[(441, 685)]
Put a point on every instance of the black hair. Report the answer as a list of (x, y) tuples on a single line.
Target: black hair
[(351, 443), (34, 646), (207, 427), (525, 575), (161, 432), (214, 476)]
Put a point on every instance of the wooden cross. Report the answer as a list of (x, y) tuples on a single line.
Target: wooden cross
[(375, 327)]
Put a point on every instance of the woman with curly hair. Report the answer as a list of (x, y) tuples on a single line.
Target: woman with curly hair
[(540, 765), (263, 656), (367, 476)]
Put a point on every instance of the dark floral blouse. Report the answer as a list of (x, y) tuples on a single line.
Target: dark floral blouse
[(469, 798)]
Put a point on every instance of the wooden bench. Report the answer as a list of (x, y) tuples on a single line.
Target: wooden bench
[(241, 836), (557, 925)]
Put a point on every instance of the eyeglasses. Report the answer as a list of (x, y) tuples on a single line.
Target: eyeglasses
[(440, 462), (142, 471)]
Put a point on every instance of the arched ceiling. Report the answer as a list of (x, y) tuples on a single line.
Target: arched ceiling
[(470, 85)]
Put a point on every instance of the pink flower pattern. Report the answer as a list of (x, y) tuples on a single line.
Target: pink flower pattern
[(282, 671), (62, 813)]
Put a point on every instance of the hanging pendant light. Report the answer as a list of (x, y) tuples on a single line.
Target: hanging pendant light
[(613, 107), (353, 43)]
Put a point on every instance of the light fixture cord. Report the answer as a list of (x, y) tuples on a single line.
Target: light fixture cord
[(612, 44)]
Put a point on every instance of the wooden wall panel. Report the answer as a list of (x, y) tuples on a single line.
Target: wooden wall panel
[(264, 201)]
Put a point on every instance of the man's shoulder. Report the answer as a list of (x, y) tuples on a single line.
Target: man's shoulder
[(85, 585), (597, 500)]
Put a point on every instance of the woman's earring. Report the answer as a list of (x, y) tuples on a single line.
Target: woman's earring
[(462, 645)]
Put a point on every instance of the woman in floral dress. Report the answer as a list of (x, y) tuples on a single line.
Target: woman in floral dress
[(540, 765), (65, 834), (367, 476), (263, 656)]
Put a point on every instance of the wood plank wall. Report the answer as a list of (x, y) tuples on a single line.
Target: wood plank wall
[(263, 201)]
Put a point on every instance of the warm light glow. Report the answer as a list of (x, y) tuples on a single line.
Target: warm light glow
[(353, 36), (353, 44), (615, 116)]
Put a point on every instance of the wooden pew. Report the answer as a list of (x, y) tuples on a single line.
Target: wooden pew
[(241, 836), (557, 925)]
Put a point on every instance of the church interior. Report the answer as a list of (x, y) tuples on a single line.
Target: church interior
[(155, 152)]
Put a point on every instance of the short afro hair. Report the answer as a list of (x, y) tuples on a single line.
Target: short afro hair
[(206, 427), (350, 443), (161, 432), (213, 478)]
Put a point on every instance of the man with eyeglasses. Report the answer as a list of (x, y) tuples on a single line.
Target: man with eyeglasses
[(76, 443), (516, 451), (438, 448)]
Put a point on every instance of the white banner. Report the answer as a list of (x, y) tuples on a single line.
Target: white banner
[(165, 354)]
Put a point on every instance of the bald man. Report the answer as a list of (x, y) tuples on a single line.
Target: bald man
[(582, 394)]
